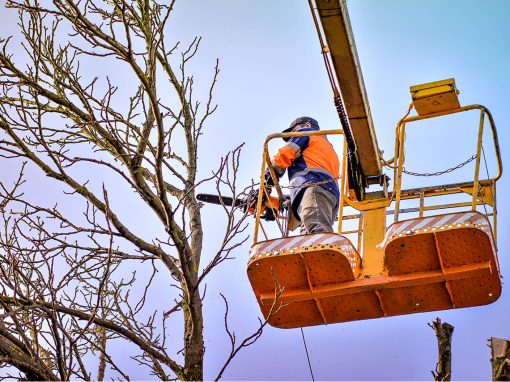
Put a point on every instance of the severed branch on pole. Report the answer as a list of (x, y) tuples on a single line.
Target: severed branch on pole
[(500, 359)]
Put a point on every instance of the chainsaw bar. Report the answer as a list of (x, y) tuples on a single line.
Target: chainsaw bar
[(221, 200), (270, 207)]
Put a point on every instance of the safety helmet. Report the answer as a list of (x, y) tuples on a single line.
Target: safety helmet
[(299, 121)]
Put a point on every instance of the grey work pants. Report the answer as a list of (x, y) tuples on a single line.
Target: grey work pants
[(318, 210)]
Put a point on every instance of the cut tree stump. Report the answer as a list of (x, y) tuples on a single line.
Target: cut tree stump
[(444, 333)]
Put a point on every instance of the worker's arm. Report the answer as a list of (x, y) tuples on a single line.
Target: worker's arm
[(285, 156)]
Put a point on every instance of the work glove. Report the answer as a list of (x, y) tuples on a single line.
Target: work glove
[(285, 203), (269, 214), (252, 198)]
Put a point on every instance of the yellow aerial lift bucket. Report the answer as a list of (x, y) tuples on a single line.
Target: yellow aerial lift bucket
[(429, 263), (441, 262)]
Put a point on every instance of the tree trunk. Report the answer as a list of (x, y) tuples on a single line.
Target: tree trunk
[(444, 333), (193, 340)]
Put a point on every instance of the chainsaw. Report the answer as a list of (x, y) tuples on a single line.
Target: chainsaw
[(271, 205)]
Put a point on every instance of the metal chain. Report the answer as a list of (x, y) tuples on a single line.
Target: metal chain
[(302, 186), (311, 184), (403, 169), (439, 172)]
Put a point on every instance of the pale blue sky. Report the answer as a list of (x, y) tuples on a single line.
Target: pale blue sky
[(272, 72)]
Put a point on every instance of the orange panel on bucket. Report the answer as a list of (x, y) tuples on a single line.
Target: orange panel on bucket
[(411, 254), (352, 307), (415, 299)]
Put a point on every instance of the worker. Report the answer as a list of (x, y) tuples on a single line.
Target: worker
[(312, 167)]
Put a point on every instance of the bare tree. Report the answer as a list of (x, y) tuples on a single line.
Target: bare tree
[(76, 286)]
